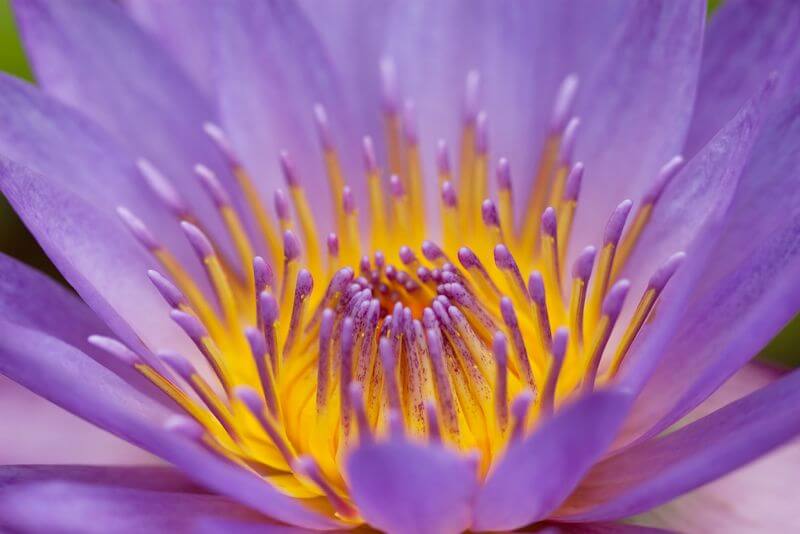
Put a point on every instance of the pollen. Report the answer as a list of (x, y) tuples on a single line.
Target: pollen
[(462, 325)]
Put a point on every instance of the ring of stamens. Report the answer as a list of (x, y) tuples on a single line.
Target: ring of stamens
[(315, 350)]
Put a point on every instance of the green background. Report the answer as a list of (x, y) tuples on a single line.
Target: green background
[(16, 241)]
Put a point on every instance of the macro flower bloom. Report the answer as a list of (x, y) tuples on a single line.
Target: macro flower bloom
[(527, 298)]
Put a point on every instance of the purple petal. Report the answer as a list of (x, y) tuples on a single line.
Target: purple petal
[(93, 57), (142, 478), (72, 380), (399, 486), (183, 27), (33, 300), (689, 217), (272, 70), (96, 255), (745, 41), (69, 499), (644, 86), (749, 290), (535, 475), (659, 470), (759, 495), (597, 528)]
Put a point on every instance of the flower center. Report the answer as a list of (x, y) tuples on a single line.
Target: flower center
[(399, 330)]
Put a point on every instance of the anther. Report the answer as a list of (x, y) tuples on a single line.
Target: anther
[(323, 127), (218, 137), (357, 401), (565, 101), (500, 351), (138, 229), (537, 294), (162, 188), (517, 342), (519, 413), (307, 466), (260, 353), (167, 289), (212, 185), (115, 348), (612, 305)]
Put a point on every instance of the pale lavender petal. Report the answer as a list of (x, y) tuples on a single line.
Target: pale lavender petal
[(759, 497), (644, 86), (659, 470), (749, 291), (184, 28), (96, 255), (37, 424), (92, 56), (595, 528), (72, 380), (745, 41), (47, 136), (271, 71), (536, 475), (121, 500), (400, 486), (521, 51)]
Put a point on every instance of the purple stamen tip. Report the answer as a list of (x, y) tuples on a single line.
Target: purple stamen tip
[(305, 283), (567, 147), (482, 133), (449, 197), (184, 426), (431, 251), (406, 255), (333, 244), (395, 186), (500, 347), (138, 228), (162, 188), (386, 353), (380, 259), (281, 205), (250, 398), (503, 174), (442, 157), (665, 175), (410, 123), (189, 323), (262, 273), (167, 289), (583, 264), (217, 136), (471, 96), (559, 347), (348, 200), (507, 311), (565, 99), (268, 306), (536, 287), (255, 338), (467, 257), (323, 127), (613, 302), (503, 257), (665, 272), (370, 160), (389, 85), (341, 279), (178, 363), (212, 185), (326, 327), (291, 246), (617, 222), (574, 179), (550, 222), (288, 169), (115, 348), (198, 240), (429, 319), (489, 213)]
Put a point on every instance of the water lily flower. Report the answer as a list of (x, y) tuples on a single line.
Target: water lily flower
[(412, 266)]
